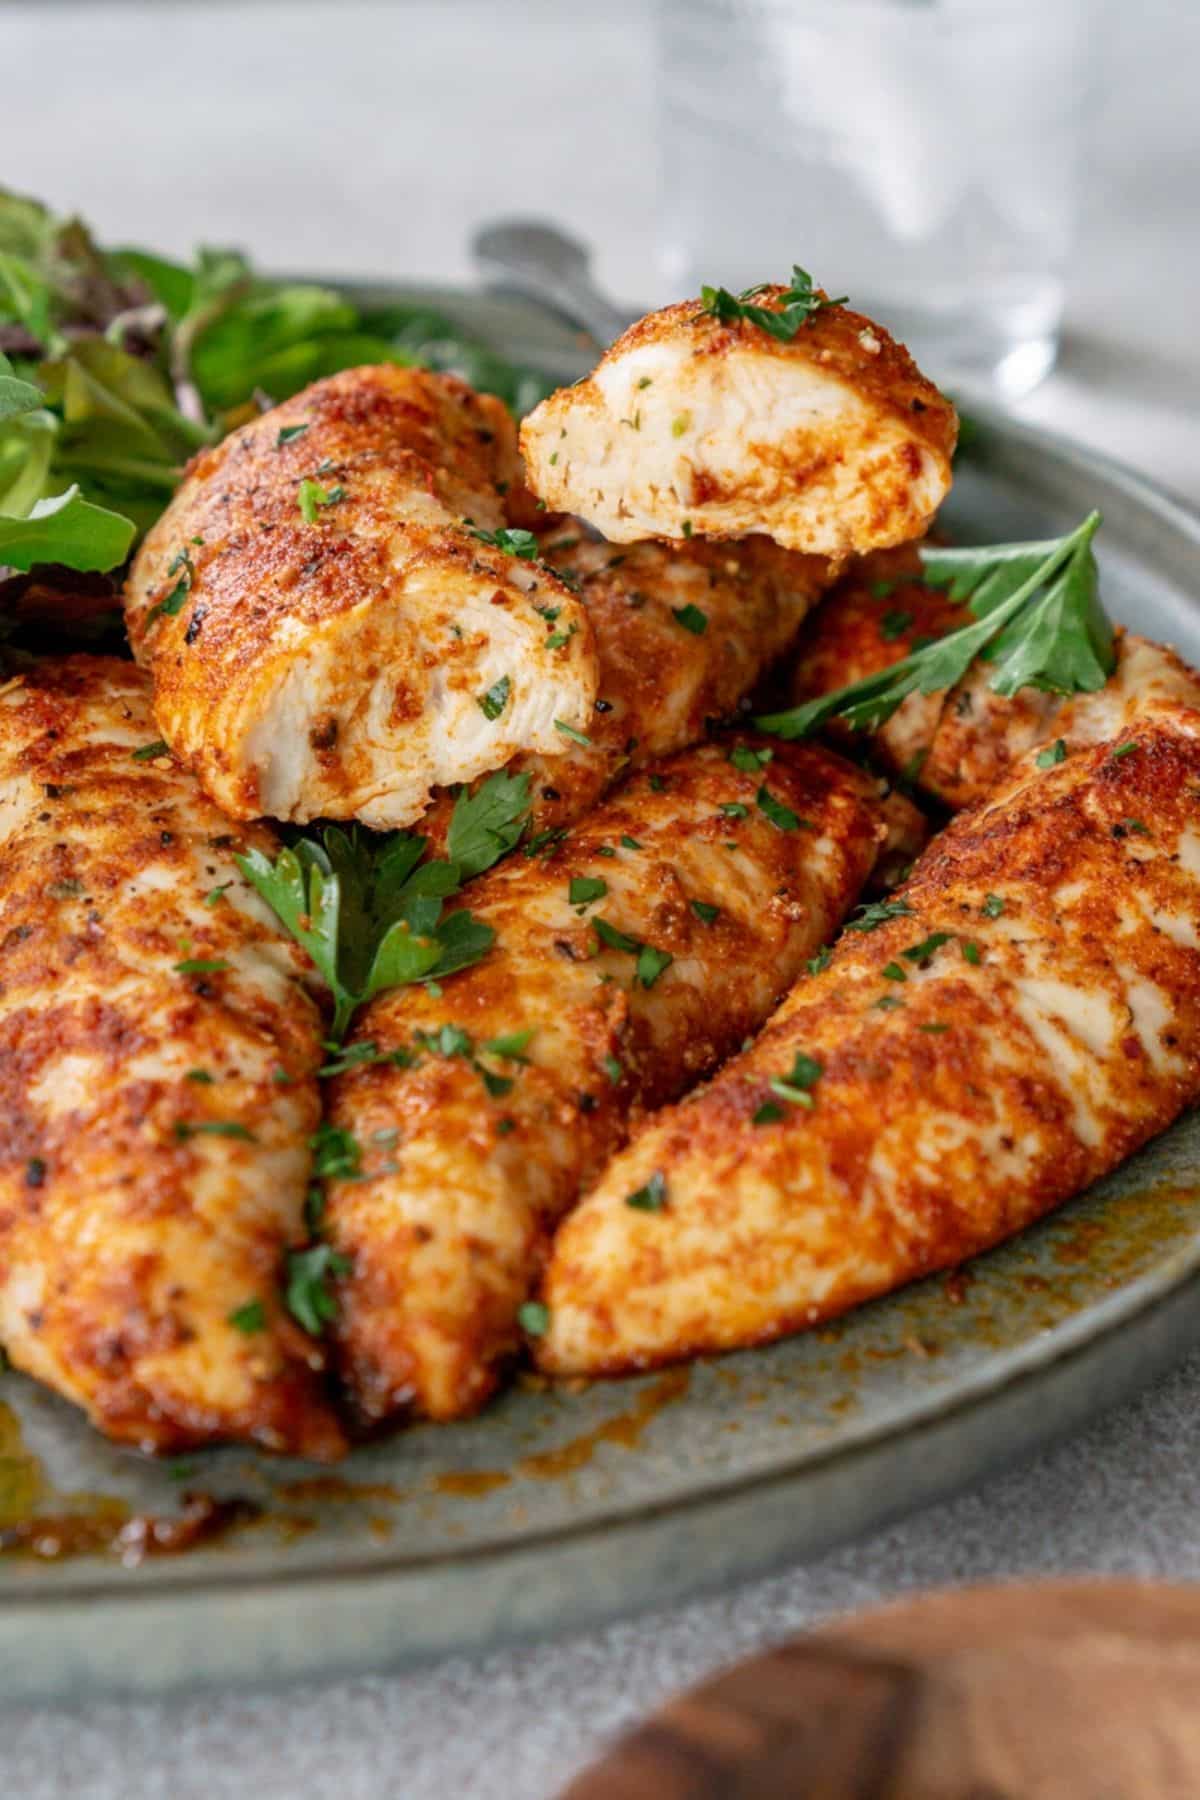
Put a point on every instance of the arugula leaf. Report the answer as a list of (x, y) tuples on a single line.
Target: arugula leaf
[(1038, 619), (799, 304), (487, 824)]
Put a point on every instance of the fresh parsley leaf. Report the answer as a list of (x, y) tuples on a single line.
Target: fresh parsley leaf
[(651, 1196), (651, 963), (780, 815), (307, 1293), (878, 912), (691, 618), (616, 940), (971, 951), (820, 961), (512, 1045), (923, 952), (583, 889), (749, 761), (310, 495), (629, 843), (798, 305), (533, 1318), (1038, 621), (796, 1086), (493, 703), (487, 824), (892, 971), (250, 1317), (510, 539), (767, 1114)]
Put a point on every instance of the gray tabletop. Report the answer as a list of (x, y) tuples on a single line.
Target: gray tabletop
[(369, 138)]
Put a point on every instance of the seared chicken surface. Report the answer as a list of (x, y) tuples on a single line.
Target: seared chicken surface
[(682, 635), (629, 960), (830, 442), (1019, 1020), (957, 746), (157, 1049), (328, 635)]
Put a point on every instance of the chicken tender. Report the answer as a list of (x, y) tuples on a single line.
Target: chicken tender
[(1016, 1022), (629, 960), (682, 635), (830, 442), (157, 1054), (329, 634)]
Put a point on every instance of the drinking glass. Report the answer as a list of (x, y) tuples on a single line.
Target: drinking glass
[(921, 156)]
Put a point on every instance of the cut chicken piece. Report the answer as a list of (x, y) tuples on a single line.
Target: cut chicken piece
[(157, 1055), (328, 636), (629, 960), (830, 442), (682, 635), (1013, 1024), (957, 745)]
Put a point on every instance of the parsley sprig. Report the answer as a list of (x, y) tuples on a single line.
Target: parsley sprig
[(1038, 620), (798, 305), (368, 910)]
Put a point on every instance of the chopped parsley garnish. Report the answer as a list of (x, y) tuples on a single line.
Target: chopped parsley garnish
[(706, 912), (1122, 750), (203, 1076), (215, 895), (307, 1293), (691, 618), (1038, 623), (533, 1318), (612, 1068), (511, 540), (796, 1086), (1056, 753), (512, 1044), (229, 1128), (768, 1114), (922, 953), (202, 965), (630, 843), (558, 639), (894, 625), (888, 1003), (780, 815), (583, 889), (971, 951), (493, 703), (749, 761), (734, 809), (993, 906), (252, 1316), (657, 784), (360, 1056), (616, 940), (651, 963), (310, 495), (569, 731), (799, 304), (337, 1153), (820, 961), (651, 1196), (680, 423), (893, 972), (877, 913), (147, 752), (933, 1026), (169, 608), (288, 434)]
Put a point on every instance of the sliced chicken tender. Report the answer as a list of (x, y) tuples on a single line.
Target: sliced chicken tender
[(157, 1055), (1020, 1019), (628, 961), (830, 442), (329, 635), (682, 635), (956, 746)]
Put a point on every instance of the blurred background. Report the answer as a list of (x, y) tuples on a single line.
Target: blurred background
[(368, 137)]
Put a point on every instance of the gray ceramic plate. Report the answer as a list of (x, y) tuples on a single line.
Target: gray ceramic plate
[(557, 1509)]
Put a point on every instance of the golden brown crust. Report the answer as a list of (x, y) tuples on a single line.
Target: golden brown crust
[(963, 1090), (682, 634), (130, 1229), (830, 442), (334, 665), (449, 1230)]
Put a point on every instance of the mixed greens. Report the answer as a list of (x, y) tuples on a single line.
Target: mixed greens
[(117, 365)]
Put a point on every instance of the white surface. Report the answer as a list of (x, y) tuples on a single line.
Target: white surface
[(370, 138)]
